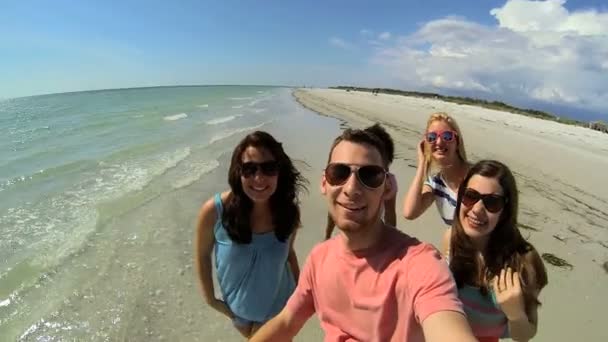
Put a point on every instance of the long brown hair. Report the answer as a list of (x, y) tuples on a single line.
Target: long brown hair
[(506, 246), (284, 202)]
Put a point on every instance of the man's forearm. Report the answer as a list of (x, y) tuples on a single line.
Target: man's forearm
[(447, 326), (277, 329)]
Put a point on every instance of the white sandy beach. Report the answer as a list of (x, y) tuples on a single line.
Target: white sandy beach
[(130, 277), (561, 174)]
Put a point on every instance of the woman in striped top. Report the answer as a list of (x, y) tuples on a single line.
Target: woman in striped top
[(499, 274), (442, 164)]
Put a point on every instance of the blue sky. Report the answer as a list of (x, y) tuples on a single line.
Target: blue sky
[(57, 46)]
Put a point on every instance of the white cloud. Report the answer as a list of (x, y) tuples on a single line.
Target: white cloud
[(538, 50), (340, 43), (366, 32), (384, 36), (551, 16)]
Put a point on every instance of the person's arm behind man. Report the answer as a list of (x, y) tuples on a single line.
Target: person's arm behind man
[(329, 227), (390, 203)]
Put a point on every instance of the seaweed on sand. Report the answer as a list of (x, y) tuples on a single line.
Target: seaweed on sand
[(556, 261), (527, 227)]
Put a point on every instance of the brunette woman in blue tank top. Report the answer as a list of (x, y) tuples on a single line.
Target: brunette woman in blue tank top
[(251, 228)]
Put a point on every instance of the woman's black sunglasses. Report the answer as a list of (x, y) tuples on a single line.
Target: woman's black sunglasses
[(268, 168), (493, 203), (371, 176)]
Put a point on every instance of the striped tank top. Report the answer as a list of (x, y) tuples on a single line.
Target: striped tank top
[(488, 322), (485, 317), (445, 198)]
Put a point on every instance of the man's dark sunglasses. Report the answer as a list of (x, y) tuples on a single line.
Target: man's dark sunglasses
[(371, 176)]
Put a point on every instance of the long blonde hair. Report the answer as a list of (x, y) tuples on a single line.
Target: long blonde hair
[(441, 116)]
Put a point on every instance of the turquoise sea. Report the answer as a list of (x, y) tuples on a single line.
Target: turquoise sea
[(98, 196)]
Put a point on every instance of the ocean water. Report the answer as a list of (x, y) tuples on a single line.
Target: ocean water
[(98, 199)]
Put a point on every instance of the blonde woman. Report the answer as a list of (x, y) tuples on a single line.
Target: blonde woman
[(442, 165)]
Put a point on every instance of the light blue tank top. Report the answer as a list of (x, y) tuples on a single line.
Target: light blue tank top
[(254, 278)]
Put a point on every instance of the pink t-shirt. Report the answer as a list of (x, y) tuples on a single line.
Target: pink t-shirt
[(380, 294)]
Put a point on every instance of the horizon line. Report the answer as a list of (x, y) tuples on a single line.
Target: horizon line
[(150, 87), (260, 85)]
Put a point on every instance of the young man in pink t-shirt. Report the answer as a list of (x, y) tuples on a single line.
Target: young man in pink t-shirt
[(372, 282)]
